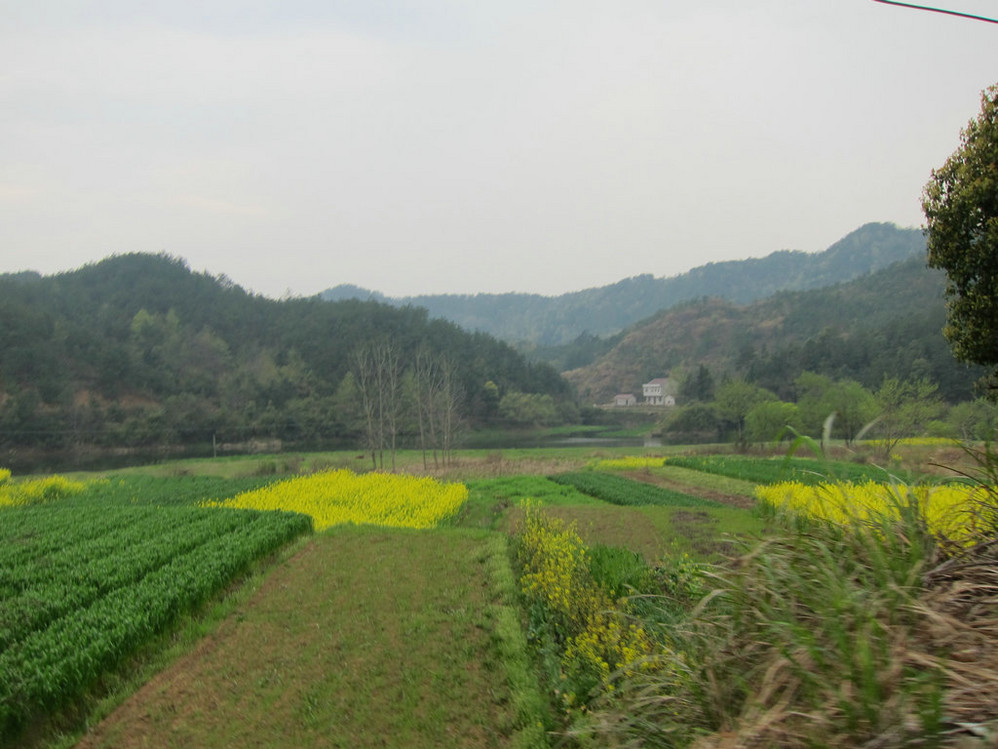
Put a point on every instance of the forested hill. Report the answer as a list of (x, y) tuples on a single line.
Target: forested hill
[(887, 323), (546, 321), (137, 349)]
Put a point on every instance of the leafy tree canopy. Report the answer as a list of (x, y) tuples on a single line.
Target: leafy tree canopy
[(138, 349), (960, 203)]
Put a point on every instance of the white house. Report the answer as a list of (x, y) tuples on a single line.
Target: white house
[(658, 392), (625, 399)]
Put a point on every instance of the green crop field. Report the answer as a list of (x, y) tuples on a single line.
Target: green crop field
[(773, 470), (622, 491), (556, 607), (84, 585)]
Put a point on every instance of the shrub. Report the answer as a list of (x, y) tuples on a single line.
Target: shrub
[(578, 628), (823, 634)]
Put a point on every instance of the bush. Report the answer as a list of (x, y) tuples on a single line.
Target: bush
[(582, 633), (827, 635)]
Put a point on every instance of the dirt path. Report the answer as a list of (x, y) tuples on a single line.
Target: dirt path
[(367, 638)]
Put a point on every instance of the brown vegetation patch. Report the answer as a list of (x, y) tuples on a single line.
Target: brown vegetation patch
[(699, 528), (610, 525), (960, 607), (494, 465), (733, 500)]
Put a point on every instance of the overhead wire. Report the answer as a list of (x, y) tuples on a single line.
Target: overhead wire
[(939, 10)]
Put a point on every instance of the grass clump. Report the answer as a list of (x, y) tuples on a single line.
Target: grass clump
[(832, 634), (530, 716)]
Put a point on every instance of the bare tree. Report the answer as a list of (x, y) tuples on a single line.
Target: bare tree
[(448, 409), (364, 374), (389, 378), (426, 386), (437, 397), (378, 373)]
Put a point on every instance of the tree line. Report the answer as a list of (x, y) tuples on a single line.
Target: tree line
[(745, 412), (960, 203), (139, 350)]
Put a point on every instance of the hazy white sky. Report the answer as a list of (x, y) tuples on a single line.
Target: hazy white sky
[(442, 146)]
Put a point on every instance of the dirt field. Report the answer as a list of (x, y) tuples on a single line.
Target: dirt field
[(366, 638)]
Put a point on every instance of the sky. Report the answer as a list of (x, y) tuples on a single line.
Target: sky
[(446, 146)]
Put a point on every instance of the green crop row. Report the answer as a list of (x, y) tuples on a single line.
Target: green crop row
[(63, 530), (42, 559), (773, 470), (38, 592), (69, 625), (622, 491), (38, 531), (169, 490)]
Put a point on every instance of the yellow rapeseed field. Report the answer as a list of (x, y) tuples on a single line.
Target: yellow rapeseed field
[(34, 491), (630, 463), (337, 497), (916, 442), (951, 511)]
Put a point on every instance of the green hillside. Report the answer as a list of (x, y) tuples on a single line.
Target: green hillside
[(139, 350), (887, 323), (548, 321)]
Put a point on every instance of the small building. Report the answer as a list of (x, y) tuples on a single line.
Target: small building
[(659, 392), (625, 399)]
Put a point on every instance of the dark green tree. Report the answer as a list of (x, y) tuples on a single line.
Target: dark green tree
[(960, 203), (733, 402), (906, 408), (768, 421), (695, 422), (528, 408), (698, 386)]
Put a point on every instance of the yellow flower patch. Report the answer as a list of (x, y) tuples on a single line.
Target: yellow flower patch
[(599, 637), (630, 463), (337, 497), (35, 491), (950, 511)]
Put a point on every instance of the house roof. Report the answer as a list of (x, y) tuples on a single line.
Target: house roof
[(658, 381)]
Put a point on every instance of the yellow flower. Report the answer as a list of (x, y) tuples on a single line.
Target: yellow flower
[(36, 491), (948, 510), (337, 497)]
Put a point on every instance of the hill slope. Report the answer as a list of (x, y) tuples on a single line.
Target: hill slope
[(608, 309), (137, 349), (886, 323)]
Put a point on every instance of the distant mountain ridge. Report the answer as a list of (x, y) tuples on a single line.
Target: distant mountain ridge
[(553, 320), (886, 323)]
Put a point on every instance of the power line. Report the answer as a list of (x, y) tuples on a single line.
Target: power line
[(939, 10)]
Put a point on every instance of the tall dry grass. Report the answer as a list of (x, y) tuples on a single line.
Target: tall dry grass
[(862, 633)]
